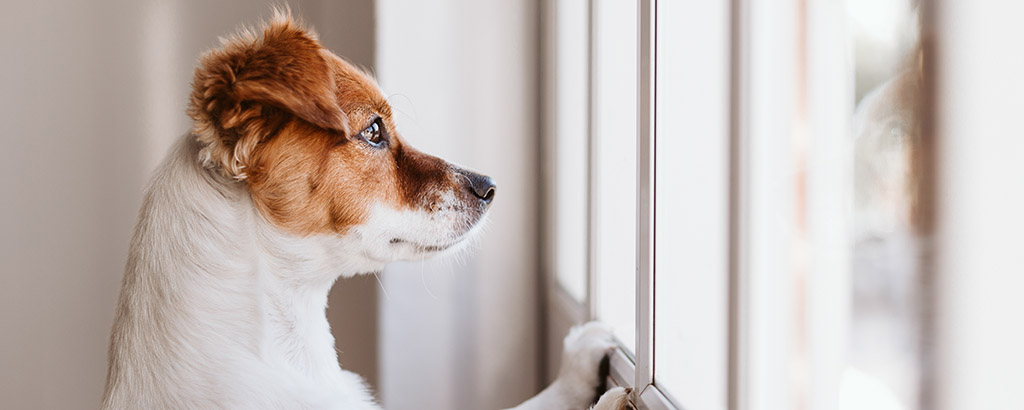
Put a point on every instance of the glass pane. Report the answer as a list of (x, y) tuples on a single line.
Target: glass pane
[(691, 295), (883, 369), (570, 160), (615, 165)]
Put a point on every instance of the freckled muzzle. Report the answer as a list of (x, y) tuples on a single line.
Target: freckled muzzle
[(458, 202), (423, 177)]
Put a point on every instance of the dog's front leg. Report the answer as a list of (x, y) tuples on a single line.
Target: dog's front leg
[(576, 385)]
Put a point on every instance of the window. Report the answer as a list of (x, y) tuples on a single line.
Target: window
[(692, 202), (613, 166), (598, 65), (569, 152), (750, 246), (884, 339)]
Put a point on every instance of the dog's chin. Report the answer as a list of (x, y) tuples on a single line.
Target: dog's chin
[(414, 251)]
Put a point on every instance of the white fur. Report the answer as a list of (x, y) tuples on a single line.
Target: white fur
[(221, 310)]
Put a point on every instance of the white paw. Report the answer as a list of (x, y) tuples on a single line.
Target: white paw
[(583, 350), (615, 399)]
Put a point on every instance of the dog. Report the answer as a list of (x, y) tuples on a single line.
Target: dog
[(293, 175)]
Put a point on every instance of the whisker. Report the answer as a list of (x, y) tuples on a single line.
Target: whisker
[(379, 282), (423, 280), (415, 112)]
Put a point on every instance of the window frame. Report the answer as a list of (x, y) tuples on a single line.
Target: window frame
[(811, 34), (805, 32), (563, 309)]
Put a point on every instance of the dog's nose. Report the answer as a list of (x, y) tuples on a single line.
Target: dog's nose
[(482, 186)]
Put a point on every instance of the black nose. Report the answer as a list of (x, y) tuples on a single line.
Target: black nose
[(482, 186)]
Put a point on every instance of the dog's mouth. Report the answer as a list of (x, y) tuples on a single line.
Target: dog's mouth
[(413, 245), (425, 248)]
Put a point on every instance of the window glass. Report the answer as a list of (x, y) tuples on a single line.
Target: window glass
[(691, 271), (614, 167), (883, 369), (570, 147)]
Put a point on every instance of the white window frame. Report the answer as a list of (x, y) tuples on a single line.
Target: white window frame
[(760, 146), (564, 310), (646, 143)]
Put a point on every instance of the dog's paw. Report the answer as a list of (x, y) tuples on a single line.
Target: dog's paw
[(583, 350), (615, 399)]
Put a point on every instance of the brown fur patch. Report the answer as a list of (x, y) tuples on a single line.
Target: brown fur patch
[(243, 88)]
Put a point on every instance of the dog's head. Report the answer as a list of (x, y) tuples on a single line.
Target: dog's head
[(314, 141)]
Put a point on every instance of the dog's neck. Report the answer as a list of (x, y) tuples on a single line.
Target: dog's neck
[(209, 279)]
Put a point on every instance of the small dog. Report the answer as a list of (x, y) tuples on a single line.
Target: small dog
[(294, 174)]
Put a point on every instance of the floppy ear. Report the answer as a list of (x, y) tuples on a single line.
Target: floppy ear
[(247, 89)]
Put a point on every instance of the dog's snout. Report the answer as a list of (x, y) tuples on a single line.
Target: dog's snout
[(482, 186)]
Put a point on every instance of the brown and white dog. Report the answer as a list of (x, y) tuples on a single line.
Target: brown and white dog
[(293, 175)]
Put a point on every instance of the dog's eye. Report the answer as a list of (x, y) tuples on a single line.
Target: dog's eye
[(374, 134)]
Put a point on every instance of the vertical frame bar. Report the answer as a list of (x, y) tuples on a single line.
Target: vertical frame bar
[(549, 316), (645, 275), (592, 164), (828, 106), (928, 197), (977, 97), (765, 61), (563, 309), (737, 193)]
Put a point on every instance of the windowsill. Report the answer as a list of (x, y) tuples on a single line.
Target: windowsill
[(622, 371)]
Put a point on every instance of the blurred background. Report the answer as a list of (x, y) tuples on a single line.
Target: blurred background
[(836, 213)]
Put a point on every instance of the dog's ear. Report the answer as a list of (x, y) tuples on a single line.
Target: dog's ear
[(248, 88)]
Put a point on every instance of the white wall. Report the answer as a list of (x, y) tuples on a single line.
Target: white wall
[(91, 96), (462, 77)]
